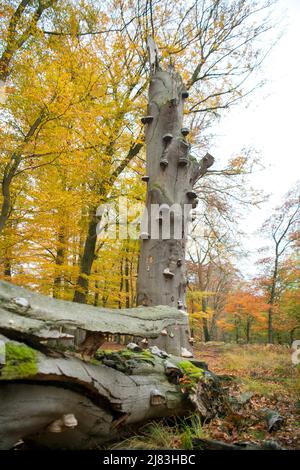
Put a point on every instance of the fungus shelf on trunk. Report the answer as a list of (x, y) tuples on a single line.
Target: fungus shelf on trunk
[(147, 119)]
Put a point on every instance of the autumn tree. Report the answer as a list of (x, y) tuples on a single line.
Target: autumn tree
[(211, 252), (19, 26), (287, 318), (282, 229), (245, 307)]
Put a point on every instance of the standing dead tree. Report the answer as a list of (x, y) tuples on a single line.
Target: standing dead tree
[(171, 175)]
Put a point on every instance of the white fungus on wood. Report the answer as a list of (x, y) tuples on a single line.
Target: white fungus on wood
[(186, 353)]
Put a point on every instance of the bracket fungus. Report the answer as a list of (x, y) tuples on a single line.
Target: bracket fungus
[(67, 421), (144, 236), (186, 353), (147, 119), (157, 398), (185, 131), (168, 274)]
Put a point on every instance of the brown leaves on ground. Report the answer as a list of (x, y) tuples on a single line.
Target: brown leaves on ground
[(268, 373)]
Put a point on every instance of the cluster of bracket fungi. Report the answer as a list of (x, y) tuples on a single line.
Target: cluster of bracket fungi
[(179, 144)]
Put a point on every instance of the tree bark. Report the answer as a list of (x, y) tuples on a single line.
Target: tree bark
[(103, 398), (59, 262), (272, 297), (168, 184), (203, 288)]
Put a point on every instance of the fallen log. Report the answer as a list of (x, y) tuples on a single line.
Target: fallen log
[(53, 395), (26, 315), (99, 400)]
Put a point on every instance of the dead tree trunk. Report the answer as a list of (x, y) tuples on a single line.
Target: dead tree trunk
[(171, 174), (60, 395), (25, 314)]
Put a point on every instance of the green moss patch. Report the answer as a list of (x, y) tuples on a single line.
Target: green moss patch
[(192, 374), (21, 362), (124, 361)]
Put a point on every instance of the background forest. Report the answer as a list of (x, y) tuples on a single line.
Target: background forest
[(74, 77)]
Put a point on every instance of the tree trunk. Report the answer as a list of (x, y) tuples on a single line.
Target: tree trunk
[(87, 260), (272, 297), (59, 262), (66, 403), (168, 183), (96, 294), (9, 173), (205, 330), (248, 328), (202, 288), (204, 320), (171, 174), (127, 279), (237, 333)]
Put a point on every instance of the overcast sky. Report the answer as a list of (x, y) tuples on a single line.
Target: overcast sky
[(271, 125)]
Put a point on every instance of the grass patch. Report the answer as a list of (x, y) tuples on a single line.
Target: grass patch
[(262, 369), (258, 360), (260, 387), (160, 435)]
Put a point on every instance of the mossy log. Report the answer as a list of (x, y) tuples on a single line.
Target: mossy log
[(67, 403), (55, 396)]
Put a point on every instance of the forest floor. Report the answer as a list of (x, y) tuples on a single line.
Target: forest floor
[(262, 376), (266, 376)]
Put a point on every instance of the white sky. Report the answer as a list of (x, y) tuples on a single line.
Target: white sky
[(271, 125)]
